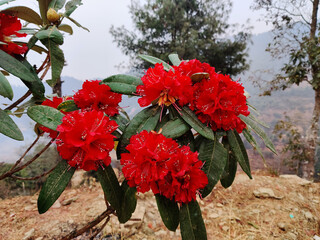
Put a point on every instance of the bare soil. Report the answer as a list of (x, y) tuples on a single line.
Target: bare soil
[(292, 212)]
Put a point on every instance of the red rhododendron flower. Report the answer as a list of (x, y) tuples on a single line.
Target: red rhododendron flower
[(218, 102), (157, 163), (85, 139), (99, 97), (55, 102), (194, 66), (146, 161), (9, 27), (185, 177), (164, 87)]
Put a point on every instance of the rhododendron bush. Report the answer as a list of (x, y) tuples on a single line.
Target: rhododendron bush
[(180, 145)]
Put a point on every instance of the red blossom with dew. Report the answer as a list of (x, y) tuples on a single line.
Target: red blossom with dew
[(85, 139), (96, 96), (9, 27)]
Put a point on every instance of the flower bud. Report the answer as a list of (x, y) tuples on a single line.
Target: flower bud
[(52, 15)]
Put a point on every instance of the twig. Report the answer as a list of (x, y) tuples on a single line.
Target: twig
[(16, 103), (90, 225), (34, 178), (43, 64), (97, 231), (7, 174)]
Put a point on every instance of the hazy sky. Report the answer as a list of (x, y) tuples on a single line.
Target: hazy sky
[(92, 54)]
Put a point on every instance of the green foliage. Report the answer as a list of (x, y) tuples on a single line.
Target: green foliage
[(8, 127), (169, 211), (5, 87), (192, 29)]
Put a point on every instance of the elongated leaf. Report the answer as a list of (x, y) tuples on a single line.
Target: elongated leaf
[(191, 223), (54, 185), (77, 24), (8, 127), (259, 132), (71, 6), (147, 119), (129, 202), (67, 106), (230, 169), (175, 128), (110, 186), (191, 118), (2, 2), (155, 60), (121, 121), (187, 139), (46, 116), (169, 212), (252, 117), (239, 151), (50, 34), (253, 142), (16, 68), (214, 156), (24, 13), (124, 84), (66, 28), (56, 58), (36, 86), (43, 7), (5, 87), (57, 4), (174, 58)]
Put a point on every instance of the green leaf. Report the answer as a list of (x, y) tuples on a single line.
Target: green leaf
[(128, 204), (252, 117), (259, 132), (174, 58), (8, 127), (24, 13), (46, 116), (175, 128), (56, 58), (191, 118), (71, 6), (5, 87), (230, 169), (214, 156), (121, 121), (124, 84), (2, 2), (16, 68), (57, 4), (110, 186), (77, 24), (36, 86), (169, 212), (191, 223), (155, 60), (66, 28), (50, 34), (67, 106), (54, 185), (246, 133), (239, 151), (147, 119), (43, 7), (187, 139)]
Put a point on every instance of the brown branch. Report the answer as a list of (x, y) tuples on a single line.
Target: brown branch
[(43, 64), (7, 174), (16, 103), (34, 178), (97, 231), (90, 225)]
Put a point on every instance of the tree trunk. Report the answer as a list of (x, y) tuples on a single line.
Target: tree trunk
[(313, 135)]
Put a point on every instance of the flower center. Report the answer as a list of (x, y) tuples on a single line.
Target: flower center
[(166, 99)]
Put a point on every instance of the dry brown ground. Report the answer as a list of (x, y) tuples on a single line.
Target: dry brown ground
[(235, 213)]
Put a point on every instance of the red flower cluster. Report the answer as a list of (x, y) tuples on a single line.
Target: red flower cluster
[(214, 97), (164, 88), (55, 102), (85, 139), (158, 163), (96, 96), (9, 27)]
